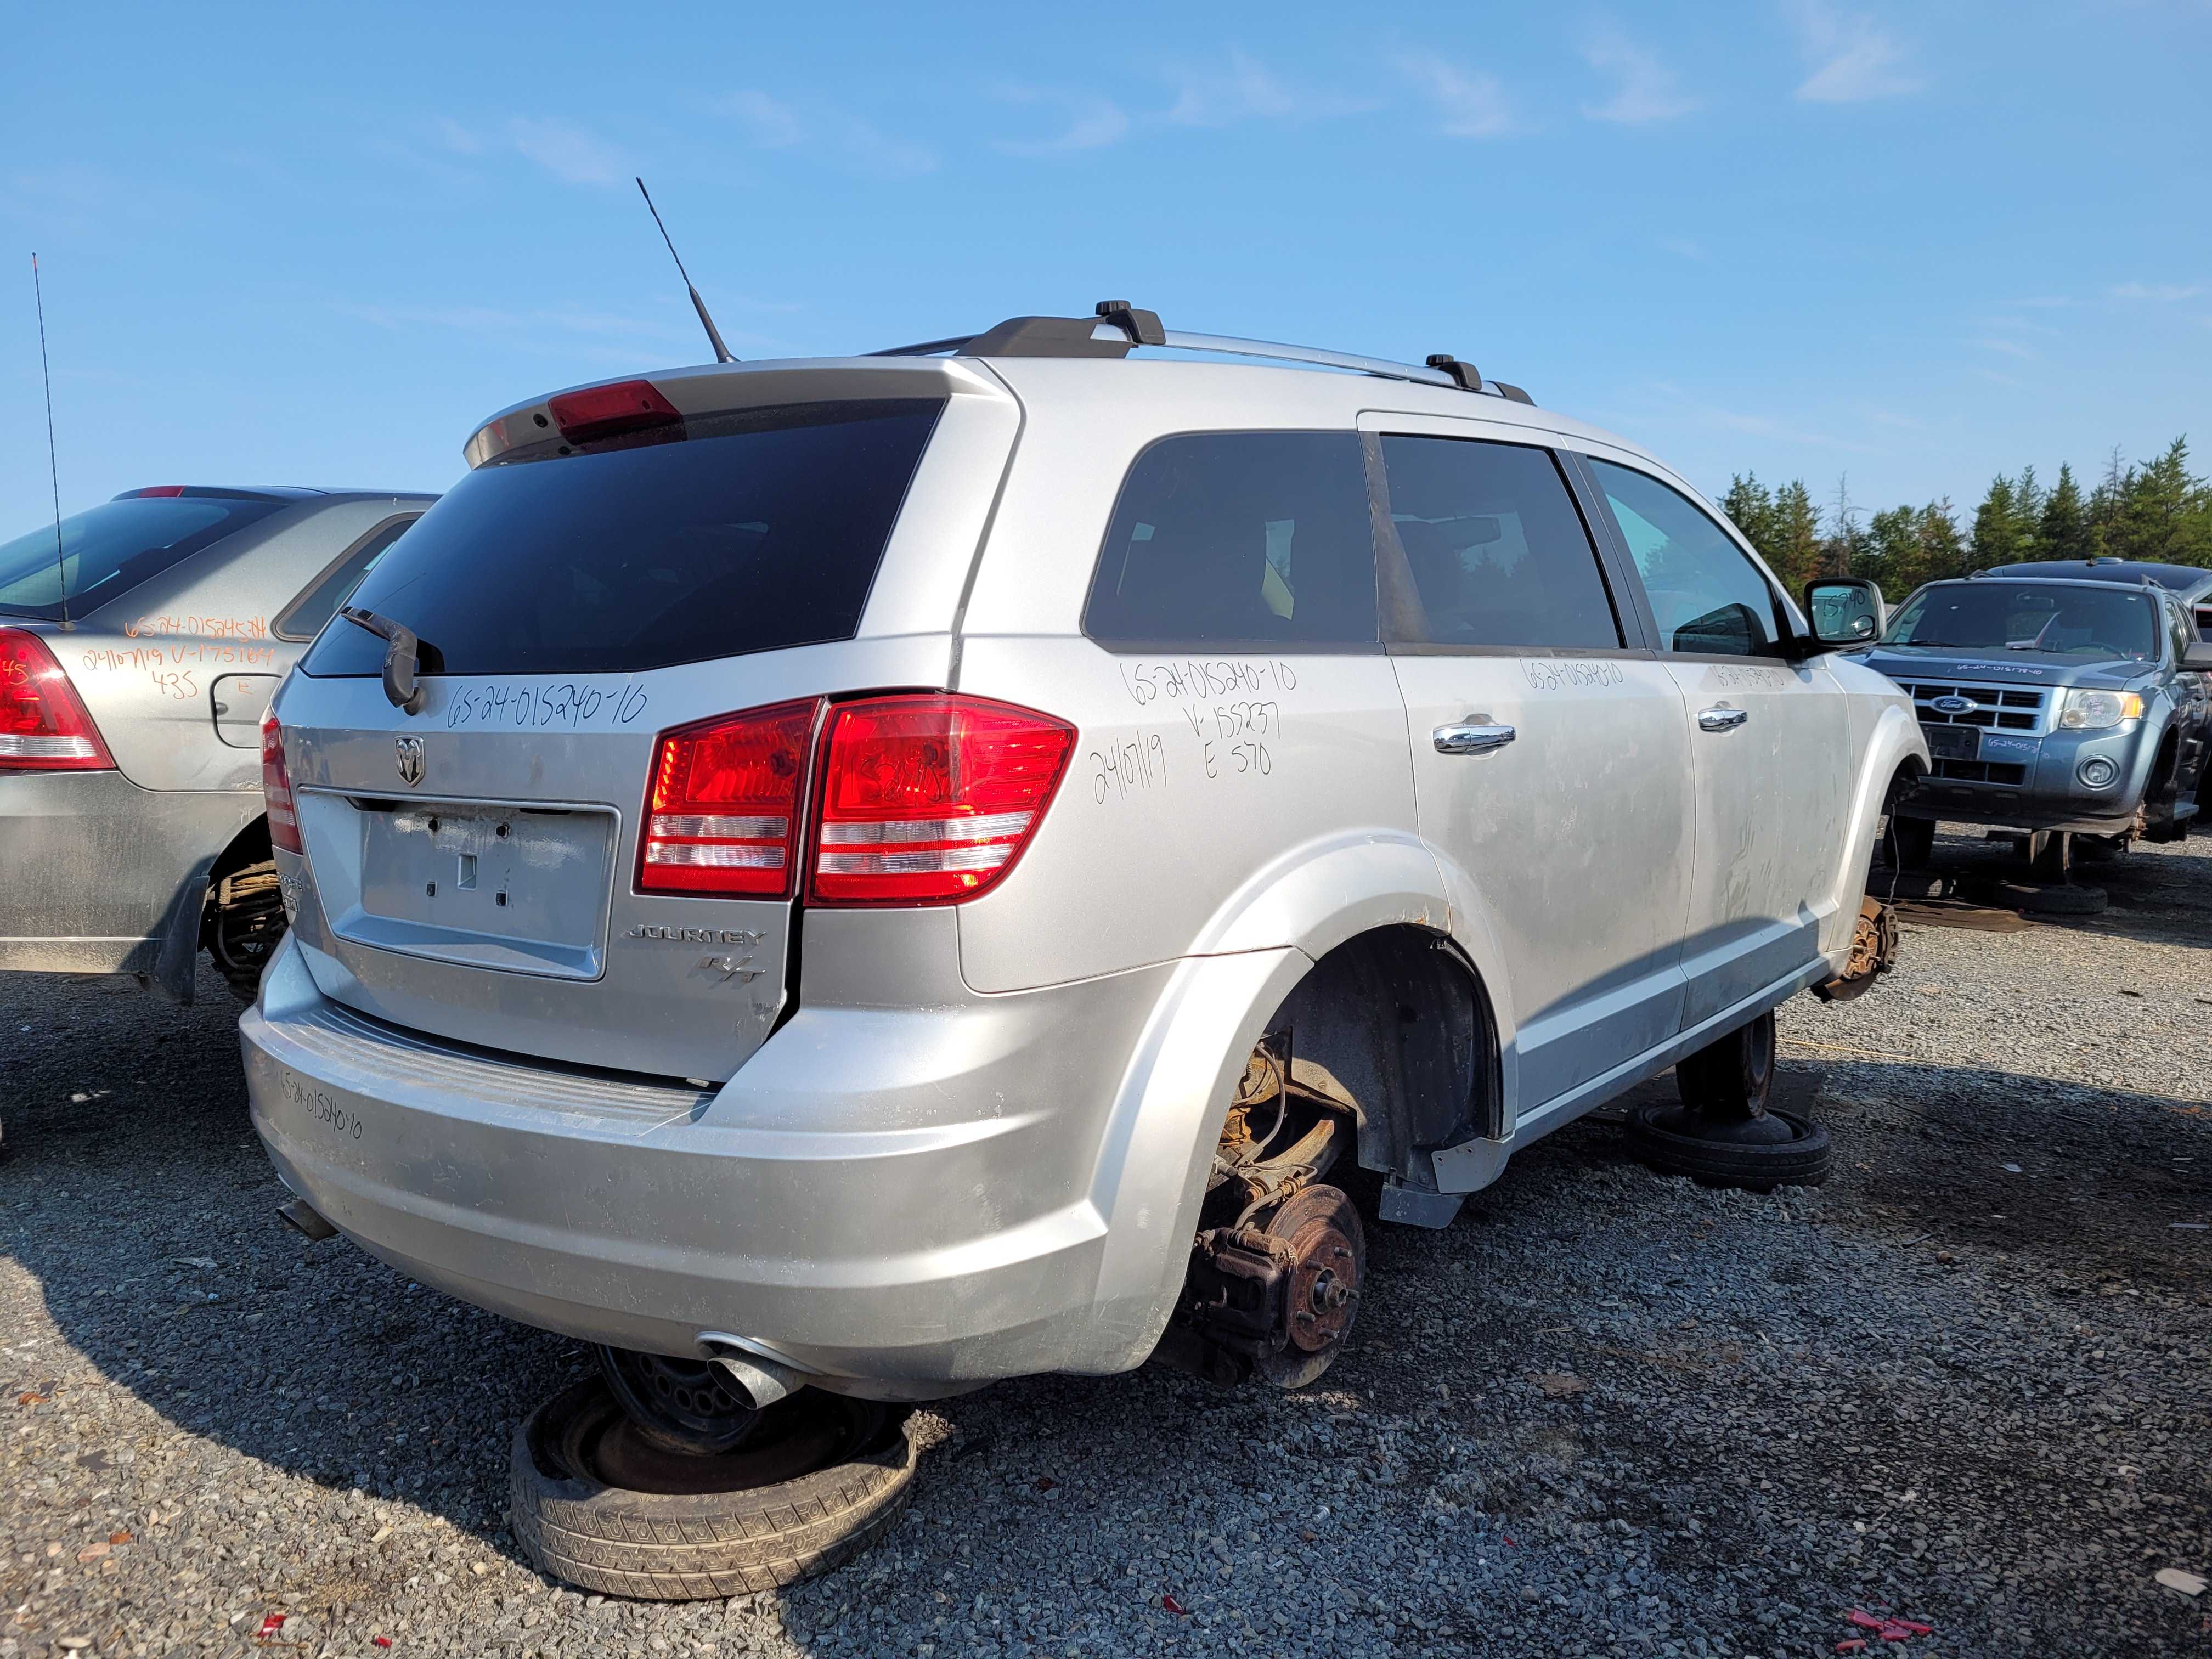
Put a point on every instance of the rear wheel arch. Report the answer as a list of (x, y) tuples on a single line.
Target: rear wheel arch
[(1402, 1024)]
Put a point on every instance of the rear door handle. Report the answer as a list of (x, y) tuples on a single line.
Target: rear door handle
[(1471, 739), (1722, 717)]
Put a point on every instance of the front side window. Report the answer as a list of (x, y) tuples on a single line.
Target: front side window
[(1254, 537), (2051, 618), (1706, 596), (1498, 552)]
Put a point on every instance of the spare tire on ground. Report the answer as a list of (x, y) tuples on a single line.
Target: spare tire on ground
[(1794, 1153), (600, 1506)]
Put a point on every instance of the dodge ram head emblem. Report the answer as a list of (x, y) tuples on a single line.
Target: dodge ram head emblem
[(1950, 705), (410, 758)]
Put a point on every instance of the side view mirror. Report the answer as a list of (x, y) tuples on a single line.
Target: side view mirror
[(1845, 611), (2197, 660)]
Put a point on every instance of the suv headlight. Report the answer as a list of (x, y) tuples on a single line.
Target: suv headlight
[(2093, 711)]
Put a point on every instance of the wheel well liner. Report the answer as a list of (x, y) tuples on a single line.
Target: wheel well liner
[(1397, 1022)]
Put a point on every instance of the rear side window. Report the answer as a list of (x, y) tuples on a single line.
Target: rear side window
[(760, 531), (1497, 551), (1707, 598), (1244, 536), (304, 618), (106, 552)]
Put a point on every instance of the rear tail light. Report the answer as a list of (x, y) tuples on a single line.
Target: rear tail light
[(608, 411), (722, 812), (930, 798), (44, 727), (277, 788)]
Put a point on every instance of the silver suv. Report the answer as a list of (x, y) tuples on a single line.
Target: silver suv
[(902, 871)]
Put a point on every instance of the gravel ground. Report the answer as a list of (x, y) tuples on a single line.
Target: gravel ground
[(1603, 1414)]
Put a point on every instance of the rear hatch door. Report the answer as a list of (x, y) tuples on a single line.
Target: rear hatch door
[(476, 865)]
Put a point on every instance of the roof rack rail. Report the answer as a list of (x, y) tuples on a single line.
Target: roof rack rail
[(1117, 327)]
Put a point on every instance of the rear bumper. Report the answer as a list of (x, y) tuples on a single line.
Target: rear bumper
[(882, 1194), (95, 866)]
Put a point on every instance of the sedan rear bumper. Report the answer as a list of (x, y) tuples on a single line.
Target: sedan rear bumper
[(95, 866), (879, 1195)]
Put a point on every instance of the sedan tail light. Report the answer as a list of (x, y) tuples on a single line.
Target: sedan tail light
[(44, 727), (930, 798), (721, 814), (277, 788)]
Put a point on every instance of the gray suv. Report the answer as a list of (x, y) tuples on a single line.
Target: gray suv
[(893, 872), (2055, 704), (140, 642)]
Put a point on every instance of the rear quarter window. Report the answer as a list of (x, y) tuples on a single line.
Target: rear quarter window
[(760, 530), (1254, 537)]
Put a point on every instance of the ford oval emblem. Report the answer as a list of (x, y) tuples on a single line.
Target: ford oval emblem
[(1953, 704), (409, 756)]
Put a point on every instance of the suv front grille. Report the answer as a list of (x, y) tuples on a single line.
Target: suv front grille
[(1996, 708)]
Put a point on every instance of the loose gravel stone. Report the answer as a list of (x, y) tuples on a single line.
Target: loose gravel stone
[(1603, 1414)]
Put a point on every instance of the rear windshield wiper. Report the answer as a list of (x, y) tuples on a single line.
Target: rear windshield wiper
[(403, 658)]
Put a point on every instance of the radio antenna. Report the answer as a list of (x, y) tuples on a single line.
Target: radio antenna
[(53, 465), (714, 335)]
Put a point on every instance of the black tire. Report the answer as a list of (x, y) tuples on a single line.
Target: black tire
[(1803, 1160), (1910, 842), (673, 1545), (1734, 1076), (2053, 899)]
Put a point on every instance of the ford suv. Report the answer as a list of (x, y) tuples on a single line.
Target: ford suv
[(2056, 704), (893, 872)]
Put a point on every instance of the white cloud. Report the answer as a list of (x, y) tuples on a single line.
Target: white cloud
[(871, 150), (567, 151), (2010, 347), (456, 138), (2158, 293), (1472, 103), (1248, 90), (1649, 90), (1852, 60), (1683, 248), (848, 140), (1091, 122), (774, 124)]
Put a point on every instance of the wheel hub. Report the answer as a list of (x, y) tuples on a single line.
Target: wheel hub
[(688, 1406), (1319, 1231)]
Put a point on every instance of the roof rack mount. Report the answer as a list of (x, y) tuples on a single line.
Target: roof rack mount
[(1117, 327)]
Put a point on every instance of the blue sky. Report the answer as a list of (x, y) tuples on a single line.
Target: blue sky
[(1910, 244)]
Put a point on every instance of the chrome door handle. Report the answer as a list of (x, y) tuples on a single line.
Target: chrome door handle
[(1722, 717), (1471, 739)]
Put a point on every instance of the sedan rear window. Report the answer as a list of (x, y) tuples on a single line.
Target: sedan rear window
[(109, 551), (760, 531)]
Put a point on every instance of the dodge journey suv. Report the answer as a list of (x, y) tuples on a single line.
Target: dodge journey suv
[(896, 871)]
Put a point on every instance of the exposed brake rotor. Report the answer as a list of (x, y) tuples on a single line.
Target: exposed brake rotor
[(1317, 1231)]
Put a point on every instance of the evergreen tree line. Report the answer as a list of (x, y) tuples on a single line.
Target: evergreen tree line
[(2158, 511)]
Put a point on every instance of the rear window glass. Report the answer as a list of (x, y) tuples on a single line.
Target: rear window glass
[(1253, 536), (106, 552), (761, 530)]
